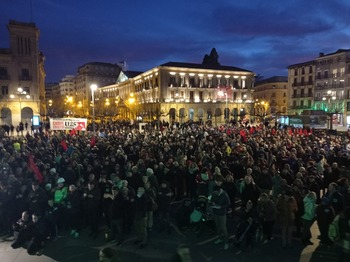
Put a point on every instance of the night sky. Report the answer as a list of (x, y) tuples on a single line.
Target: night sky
[(264, 36)]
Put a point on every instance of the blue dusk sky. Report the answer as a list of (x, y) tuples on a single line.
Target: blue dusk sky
[(263, 36)]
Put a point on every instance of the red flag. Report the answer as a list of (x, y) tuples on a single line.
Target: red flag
[(64, 145), (73, 132), (273, 131), (251, 130), (305, 132), (32, 166), (290, 131), (93, 141)]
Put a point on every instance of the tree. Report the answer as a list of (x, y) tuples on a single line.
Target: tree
[(212, 59)]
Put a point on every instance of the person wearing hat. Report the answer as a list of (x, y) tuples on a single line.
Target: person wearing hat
[(59, 197), (308, 217)]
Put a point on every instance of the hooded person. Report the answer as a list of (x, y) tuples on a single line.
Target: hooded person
[(308, 217)]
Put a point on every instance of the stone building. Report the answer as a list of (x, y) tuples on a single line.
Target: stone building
[(22, 75), (271, 97), (178, 92), (322, 85)]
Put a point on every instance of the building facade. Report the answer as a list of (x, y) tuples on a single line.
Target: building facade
[(322, 84), (178, 92), (98, 73), (271, 97), (22, 75)]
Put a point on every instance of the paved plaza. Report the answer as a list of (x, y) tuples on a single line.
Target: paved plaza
[(162, 247)]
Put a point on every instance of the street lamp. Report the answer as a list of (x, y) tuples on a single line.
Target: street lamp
[(50, 107), (93, 88), (329, 97), (20, 93)]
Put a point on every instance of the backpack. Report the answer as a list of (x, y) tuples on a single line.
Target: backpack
[(333, 230)]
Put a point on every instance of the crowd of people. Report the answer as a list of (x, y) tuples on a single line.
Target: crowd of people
[(124, 179)]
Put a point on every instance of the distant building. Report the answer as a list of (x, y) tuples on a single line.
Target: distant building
[(301, 80), (49, 90), (22, 75), (98, 73), (271, 96), (67, 86), (178, 92)]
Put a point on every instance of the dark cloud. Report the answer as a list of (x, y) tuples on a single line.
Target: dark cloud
[(262, 36)]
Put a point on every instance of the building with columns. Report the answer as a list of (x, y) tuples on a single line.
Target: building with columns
[(22, 75), (178, 92)]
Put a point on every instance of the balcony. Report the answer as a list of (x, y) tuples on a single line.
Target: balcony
[(302, 95), (4, 77), (300, 107), (329, 86), (25, 78), (306, 83)]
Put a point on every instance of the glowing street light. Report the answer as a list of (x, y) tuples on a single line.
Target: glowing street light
[(93, 88), (329, 97), (20, 93)]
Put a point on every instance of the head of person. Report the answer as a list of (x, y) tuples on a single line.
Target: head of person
[(106, 254), (229, 178), (164, 184), (248, 179), (218, 179), (60, 182), (72, 188), (115, 190), (91, 186), (249, 204), (50, 202), (35, 218), (140, 192), (263, 197), (35, 186), (25, 216), (312, 195), (217, 189)]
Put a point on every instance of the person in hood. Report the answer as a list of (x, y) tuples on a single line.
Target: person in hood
[(308, 217)]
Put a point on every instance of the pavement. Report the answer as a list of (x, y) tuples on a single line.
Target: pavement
[(163, 246)]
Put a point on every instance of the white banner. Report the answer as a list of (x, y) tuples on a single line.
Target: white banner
[(78, 124)]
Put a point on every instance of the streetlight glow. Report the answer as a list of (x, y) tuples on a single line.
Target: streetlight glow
[(93, 88)]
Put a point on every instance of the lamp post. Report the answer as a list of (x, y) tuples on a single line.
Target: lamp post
[(50, 107), (20, 93), (93, 88), (329, 97)]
